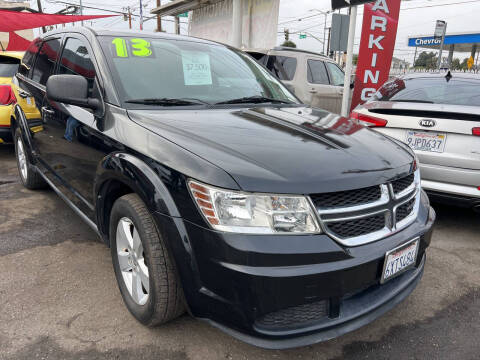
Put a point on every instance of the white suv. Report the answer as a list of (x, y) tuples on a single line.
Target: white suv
[(316, 79)]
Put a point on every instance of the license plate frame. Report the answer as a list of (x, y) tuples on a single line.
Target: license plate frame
[(397, 253), (428, 137)]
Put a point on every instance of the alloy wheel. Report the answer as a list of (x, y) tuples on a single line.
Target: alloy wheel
[(131, 261), (22, 159)]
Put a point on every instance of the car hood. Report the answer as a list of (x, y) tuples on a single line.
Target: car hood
[(282, 149)]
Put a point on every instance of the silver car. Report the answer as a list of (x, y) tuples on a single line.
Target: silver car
[(438, 116)]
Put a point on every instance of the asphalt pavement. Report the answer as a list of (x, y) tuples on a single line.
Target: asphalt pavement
[(59, 298)]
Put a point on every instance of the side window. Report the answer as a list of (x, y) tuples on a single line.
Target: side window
[(316, 72), (45, 63), (29, 57), (336, 74), (283, 67), (76, 61)]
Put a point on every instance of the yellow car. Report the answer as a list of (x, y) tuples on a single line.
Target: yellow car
[(9, 95)]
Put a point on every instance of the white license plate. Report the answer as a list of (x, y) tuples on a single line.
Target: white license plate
[(399, 260), (426, 141)]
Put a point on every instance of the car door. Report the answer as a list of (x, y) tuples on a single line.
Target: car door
[(337, 78), (37, 65), (322, 94), (73, 135)]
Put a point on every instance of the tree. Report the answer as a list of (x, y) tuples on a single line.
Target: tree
[(355, 59), (455, 65), (426, 60), (289, 43)]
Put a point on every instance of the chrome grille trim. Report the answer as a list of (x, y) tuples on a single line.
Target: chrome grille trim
[(387, 204), (384, 198)]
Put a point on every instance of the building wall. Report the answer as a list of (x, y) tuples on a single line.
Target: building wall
[(260, 23), (27, 34)]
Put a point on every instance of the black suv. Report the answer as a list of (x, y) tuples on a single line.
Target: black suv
[(217, 191)]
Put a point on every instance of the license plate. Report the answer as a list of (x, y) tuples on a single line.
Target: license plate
[(399, 260), (426, 141)]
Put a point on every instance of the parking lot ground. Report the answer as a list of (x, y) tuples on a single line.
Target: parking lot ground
[(59, 298)]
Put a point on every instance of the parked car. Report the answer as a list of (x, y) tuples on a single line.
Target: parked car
[(217, 191), (9, 95), (317, 80), (438, 116)]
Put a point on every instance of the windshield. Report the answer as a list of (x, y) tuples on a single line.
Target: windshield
[(157, 71), (8, 66), (438, 90)]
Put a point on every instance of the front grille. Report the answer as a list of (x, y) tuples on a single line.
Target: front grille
[(347, 198), (404, 210), (357, 227), (294, 317), (403, 183), (357, 217)]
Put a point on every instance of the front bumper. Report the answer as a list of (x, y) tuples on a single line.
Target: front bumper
[(357, 311), (288, 291)]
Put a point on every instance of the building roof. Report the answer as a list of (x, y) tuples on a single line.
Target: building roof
[(180, 6)]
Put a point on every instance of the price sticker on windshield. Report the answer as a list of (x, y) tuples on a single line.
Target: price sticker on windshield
[(123, 48), (196, 68)]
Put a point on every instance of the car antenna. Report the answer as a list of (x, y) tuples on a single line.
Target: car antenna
[(448, 76)]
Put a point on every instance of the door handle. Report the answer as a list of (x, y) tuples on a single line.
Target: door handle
[(24, 94), (47, 111), (312, 91)]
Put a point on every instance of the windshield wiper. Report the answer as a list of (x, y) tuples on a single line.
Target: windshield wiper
[(167, 101), (414, 101), (254, 100)]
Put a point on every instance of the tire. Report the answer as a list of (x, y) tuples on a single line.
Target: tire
[(163, 300), (29, 176)]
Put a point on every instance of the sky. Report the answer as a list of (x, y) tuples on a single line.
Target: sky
[(417, 17)]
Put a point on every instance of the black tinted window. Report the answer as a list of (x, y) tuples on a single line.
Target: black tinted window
[(76, 61), (29, 57), (316, 72), (455, 91), (282, 66), (45, 62), (8, 66)]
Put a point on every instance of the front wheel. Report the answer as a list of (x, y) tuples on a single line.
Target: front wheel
[(145, 273)]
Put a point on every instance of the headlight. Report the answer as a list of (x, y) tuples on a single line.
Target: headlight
[(241, 212)]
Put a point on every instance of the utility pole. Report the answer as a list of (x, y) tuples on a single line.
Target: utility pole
[(159, 19), (348, 67), (81, 11), (39, 4), (129, 17), (141, 15), (177, 25)]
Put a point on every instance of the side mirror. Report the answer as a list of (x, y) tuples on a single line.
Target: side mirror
[(71, 89)]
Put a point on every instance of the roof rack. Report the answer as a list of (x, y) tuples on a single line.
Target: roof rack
[(287, 48)]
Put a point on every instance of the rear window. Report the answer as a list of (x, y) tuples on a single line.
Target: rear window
[(8, 66), (443, 90), (282, 66)]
